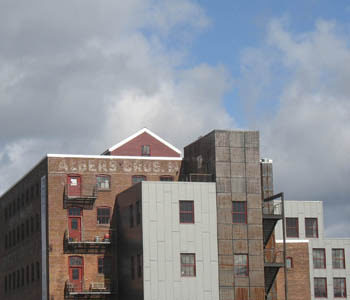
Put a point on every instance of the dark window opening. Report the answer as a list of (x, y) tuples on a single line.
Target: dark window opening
[(139, 266), (138, 178), (241, 265), (292, 226), (239, 212), (186, 212), (131, 215), (339, 286), (188, 264), (338, 259), (311, 227), (132, 267), (103, 182), (103, 215), (319, 258), (320, 287), (145, 150), (138, 212)]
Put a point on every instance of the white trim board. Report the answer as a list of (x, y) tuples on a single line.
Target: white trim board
[(143, 130), (114, 157)]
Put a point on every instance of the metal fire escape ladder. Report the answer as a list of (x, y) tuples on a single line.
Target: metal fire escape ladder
[(274, 259)]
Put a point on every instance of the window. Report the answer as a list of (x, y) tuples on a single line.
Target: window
[(75, 261), (319, 258), (188, 264), (14, 280), (33, 273), (138, 212), (320, 287), (18, 204), (22, 231), (22, 277), (10, 282), (186, 212), (311, 227), (27, 274), (241, 265), (339, 286), (37, 221), (338, 259), (103, 182), (292, 226), (131, 215), (5, 284), (145, 150), (6, 241), (103, 215), (37, 270), (138, 178), (27, 228), (139, 266), (239, 212), (6, 213), (18, 233), (289, 262), (14, 237), (18, 279), (132, 267), (75, 211), (104, 265), (31, 225), (166, 178)]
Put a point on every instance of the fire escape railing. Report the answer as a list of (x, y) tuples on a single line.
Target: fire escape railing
[(87, 289), (84, 199), (96, 245)]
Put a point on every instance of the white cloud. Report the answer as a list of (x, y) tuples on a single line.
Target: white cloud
[(308, 134), (77, 76)]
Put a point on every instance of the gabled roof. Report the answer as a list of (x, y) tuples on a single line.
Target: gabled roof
[(141, 131)]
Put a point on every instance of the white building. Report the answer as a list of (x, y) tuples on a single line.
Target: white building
[(329, 258), (170, 251)]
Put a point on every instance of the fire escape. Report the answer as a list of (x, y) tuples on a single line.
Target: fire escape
[(85, 199), (272, 211)]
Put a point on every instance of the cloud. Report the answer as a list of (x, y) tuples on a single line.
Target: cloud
[(78, 76), (308, 132)]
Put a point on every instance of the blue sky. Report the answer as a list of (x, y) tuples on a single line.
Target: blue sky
[(237, 25), (77, 76)]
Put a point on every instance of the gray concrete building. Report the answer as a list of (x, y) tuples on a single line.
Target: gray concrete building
[(328, 257)]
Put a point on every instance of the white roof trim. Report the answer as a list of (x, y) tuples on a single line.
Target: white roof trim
[(292, 241), (140, 132), (114, 157)]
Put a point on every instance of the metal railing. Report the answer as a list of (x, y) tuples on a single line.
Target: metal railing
[(88, 287), (272, 207), (86, 191), (198, 177), (273, 255)]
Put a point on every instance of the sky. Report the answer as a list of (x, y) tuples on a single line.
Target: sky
[(78, 76)]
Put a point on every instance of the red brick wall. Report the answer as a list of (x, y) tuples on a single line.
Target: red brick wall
[(26, 251), (298, 277), (121, 172), (133, 147)]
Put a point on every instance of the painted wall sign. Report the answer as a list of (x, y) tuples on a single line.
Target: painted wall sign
[(116, 166)]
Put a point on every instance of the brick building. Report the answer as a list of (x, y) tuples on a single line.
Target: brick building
[(67, 233)]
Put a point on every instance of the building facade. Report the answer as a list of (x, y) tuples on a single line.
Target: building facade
[(67, 230), (328, 270)]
